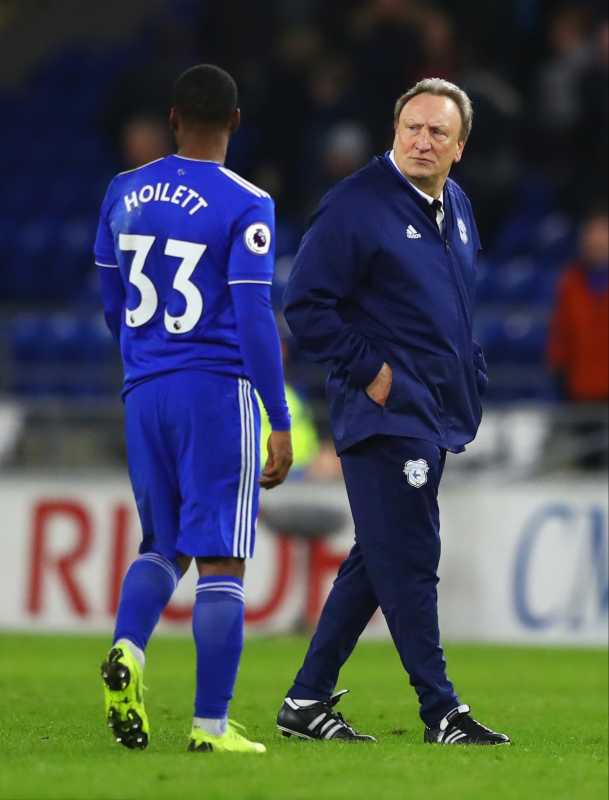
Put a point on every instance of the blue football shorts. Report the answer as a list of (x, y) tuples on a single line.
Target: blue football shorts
[(194, 462)]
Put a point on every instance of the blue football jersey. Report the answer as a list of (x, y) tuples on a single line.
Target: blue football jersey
[(181, 231)]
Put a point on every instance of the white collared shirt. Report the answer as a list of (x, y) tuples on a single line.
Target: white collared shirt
[(429, 198)]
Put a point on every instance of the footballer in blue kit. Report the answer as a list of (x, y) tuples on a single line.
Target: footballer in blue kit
[(185, 250)]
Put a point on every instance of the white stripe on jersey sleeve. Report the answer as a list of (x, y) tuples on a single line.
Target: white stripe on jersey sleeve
[(266, 283), (107, 266), (243, 183)]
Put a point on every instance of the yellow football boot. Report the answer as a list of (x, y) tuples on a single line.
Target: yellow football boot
[(122, 677), (230, 742)]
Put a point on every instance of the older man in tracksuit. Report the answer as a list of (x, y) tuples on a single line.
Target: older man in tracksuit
[(382, 290)]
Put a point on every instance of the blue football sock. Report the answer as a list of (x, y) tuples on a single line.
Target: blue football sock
[(217, 627), (147, 588)]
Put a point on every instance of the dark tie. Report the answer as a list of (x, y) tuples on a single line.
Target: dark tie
[(434, 207)]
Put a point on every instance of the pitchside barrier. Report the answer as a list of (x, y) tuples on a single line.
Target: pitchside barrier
[(524, 563)]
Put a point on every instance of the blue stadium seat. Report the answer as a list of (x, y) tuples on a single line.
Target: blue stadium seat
[(521, 281), (61, 355), (513, 337)]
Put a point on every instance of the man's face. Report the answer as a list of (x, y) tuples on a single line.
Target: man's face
[(428, 137), (594, 242)]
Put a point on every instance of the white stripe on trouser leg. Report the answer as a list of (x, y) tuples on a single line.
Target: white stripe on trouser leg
[(252, 466), (237, 531)]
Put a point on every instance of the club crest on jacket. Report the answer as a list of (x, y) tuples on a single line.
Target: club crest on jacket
[(462, 231), (416, 472)]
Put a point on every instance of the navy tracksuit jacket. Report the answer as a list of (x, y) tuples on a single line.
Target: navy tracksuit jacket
[(375, 280), (362, 291)]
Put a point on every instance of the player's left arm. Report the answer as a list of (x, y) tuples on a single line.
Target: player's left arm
[(111, 283), (250, 275), (113, 299)]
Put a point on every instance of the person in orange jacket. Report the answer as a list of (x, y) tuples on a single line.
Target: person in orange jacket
[(578, 347)]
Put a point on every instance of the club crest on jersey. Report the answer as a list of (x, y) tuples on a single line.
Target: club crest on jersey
[(258, 238), (416, 472), (462, 231)]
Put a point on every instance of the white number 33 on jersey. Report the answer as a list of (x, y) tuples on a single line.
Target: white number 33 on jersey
[(189, 254)]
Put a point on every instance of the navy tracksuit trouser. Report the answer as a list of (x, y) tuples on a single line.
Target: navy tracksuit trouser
[(393, 564)]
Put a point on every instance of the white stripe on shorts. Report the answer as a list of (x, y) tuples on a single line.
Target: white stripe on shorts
[(252, 474), (244, 499)]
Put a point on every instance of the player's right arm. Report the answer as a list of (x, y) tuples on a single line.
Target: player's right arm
[(250, 275), (111, 283)]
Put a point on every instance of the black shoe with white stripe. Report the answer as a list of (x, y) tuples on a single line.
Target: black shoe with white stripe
[(317, 721), (458, 727)]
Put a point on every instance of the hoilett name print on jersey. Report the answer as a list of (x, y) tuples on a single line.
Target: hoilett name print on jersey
[(181, 196)]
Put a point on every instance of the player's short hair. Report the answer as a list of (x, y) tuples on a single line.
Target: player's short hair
[(439, 86), (206, 95)]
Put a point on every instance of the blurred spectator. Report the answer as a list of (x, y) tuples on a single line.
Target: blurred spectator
[(288, 108), (305, 441), (493, 167), (557, 100), (592, 132), (578, 348), (316, 80), (387, 48), (346, 149), (314, 457), (441, 55), (144, 139), (343, 150), (570, 133), (163, 48)]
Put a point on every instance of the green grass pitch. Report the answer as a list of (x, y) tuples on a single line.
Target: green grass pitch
[(54, 744)]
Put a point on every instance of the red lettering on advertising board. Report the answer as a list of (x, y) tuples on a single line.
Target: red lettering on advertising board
[(283, 575), (275, 597), (177, 613), (43, 564), (118, 556)]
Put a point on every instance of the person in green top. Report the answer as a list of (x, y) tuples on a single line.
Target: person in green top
[(305, 440)]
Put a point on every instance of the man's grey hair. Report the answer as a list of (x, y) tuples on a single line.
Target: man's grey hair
[(439, 86)]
